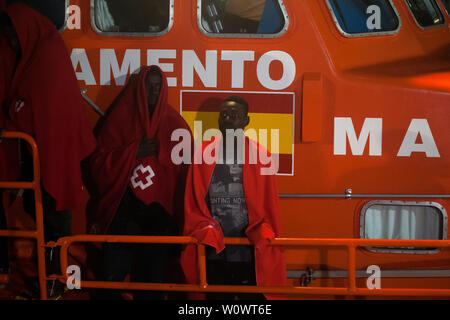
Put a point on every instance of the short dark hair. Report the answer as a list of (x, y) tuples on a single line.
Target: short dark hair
[(239, 100)]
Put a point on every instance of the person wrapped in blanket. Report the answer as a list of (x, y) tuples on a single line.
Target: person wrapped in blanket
[(139, 189), (230, 193), (39, 95)]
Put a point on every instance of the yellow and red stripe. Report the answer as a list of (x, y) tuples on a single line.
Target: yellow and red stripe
[(266, 111)]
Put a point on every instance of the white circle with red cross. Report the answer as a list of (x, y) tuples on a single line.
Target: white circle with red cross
[(142, 177)]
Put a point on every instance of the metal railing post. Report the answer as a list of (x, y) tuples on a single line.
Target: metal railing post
[(351, 268), (35, 185), (201, 262), (202, 286)]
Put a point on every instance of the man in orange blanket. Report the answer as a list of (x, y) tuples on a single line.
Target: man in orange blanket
[(232, 197)]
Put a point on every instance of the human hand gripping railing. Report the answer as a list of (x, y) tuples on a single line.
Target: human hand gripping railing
[(34, 185), (202, 286)]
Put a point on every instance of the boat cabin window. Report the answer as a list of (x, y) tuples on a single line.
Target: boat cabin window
[(364, 17), (132, 17), (403, 220), (446, 4), (54, 10), (426, 12), (240, 19)]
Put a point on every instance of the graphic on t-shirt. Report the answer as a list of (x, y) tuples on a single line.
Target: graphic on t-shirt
[(226, 201)]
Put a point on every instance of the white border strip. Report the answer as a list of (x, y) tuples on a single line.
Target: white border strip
[(66, 17)]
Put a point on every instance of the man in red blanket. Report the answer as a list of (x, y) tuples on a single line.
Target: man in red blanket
[(41, 97), (140, 190), (231, 197)]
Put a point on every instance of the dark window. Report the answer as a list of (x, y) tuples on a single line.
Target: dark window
[(55, 10), (426, 12), (364, 16), (132, 16), (242, 16)]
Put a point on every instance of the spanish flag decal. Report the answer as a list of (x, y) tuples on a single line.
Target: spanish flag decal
[(268, 111)]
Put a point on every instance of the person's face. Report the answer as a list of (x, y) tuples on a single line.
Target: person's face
[(232, 115), (9, 32), (153, 86)]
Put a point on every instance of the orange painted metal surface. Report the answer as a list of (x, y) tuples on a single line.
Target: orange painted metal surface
[(349, 244), (312, 107), (369, 77), (35, 185)]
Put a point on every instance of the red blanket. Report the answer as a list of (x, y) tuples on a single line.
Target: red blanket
[(114, 165), (9, 170), (7, 65), (44, 101), (261, 196)]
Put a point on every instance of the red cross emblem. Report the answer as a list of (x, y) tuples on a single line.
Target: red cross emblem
[(142, 177)]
